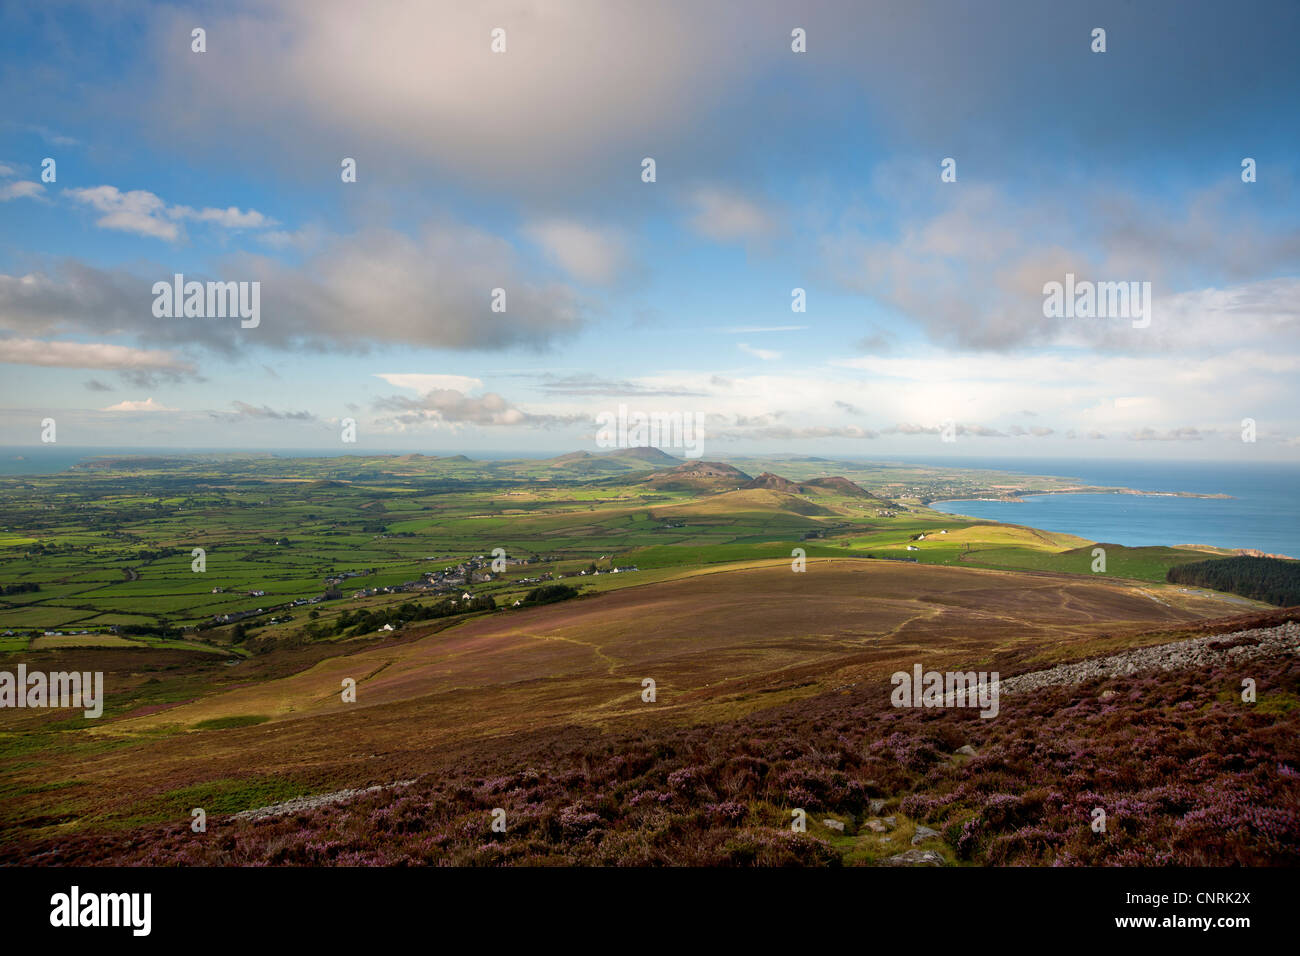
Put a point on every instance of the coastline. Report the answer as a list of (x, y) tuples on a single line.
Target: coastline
[(1018, 497)]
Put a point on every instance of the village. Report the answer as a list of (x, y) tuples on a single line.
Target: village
[(447, 580)]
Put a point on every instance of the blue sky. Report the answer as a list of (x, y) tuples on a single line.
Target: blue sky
[(775, 170)]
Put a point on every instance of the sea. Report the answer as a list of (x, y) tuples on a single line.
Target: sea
[(1263, 513)]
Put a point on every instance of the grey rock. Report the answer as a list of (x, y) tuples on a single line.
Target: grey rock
[(1176, 655), (922, 834), (915, 858)]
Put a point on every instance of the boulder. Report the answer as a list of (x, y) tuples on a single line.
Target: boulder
[(922, 834), (915, 858)]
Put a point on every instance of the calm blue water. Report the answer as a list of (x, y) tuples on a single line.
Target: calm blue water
[(1263, 514)]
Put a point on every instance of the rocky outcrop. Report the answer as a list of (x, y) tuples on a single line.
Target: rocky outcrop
[(1197, 652)]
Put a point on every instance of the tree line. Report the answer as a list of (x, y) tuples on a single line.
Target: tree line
[(1263, 579)]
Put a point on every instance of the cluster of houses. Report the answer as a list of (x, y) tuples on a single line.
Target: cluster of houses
[(336, 579), (451, 579), (584, 573), (469, 572), (234, 616), (419, 585)]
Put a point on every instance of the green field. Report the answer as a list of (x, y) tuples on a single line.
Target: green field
[(110, 546)]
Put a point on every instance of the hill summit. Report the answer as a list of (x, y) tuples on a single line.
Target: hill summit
[(775, 482), (699, 476), (841, 486), (647, 453), (836, 485)]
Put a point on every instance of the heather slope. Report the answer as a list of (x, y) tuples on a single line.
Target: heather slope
[(719, 645), (1186, 772)]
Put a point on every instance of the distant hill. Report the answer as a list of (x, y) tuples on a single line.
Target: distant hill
[(620, 461), (774, 482), (838, 486), (841, 486), (646, 453), (710, 469), (699, 476)]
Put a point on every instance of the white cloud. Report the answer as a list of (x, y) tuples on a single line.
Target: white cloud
[(725, 215), (357, 292), (749, 329), (147, 405), (136, 211), (1087, 391), (307, 238), (767, 355), (422, 383), (579, 81), (23, 189), (454, 409), (229, 218), (16, 351), (142, 212), (586, 253)]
